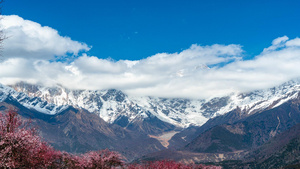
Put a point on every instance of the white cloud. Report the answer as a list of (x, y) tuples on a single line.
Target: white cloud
[(197, 72), (28, 39), (294, 42), (277, 44), (279, 40)]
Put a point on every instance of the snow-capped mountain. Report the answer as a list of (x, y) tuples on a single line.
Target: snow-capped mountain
[(30, 102), (112, 104), (258, 100)]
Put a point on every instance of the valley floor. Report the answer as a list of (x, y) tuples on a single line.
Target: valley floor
[(165, 137)]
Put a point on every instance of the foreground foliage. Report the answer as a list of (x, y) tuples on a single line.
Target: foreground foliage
[(165, 164), (21, 147)]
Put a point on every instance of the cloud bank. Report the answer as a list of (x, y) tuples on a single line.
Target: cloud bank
[(27, 39), (197, 72)]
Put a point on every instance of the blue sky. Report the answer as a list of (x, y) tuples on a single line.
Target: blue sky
[(137, 29), (182, 49)]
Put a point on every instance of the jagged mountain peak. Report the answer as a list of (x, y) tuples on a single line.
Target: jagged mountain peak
[(113, 94), (113, 104)]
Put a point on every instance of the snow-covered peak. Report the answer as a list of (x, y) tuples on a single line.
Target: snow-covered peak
[(30, 100), (263, 99), (113, 104), (4, 92)]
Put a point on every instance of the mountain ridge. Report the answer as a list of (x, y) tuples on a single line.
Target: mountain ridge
[(113, 104)]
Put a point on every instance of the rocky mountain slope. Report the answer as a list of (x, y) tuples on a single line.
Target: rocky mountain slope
[(257, 140), (282, 150), (250, 132)]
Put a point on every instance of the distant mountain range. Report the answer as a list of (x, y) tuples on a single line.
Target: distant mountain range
[(211, 130)]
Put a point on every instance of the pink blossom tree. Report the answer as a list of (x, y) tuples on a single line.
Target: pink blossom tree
[(21, 147), (167, 164), (102, 159)]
